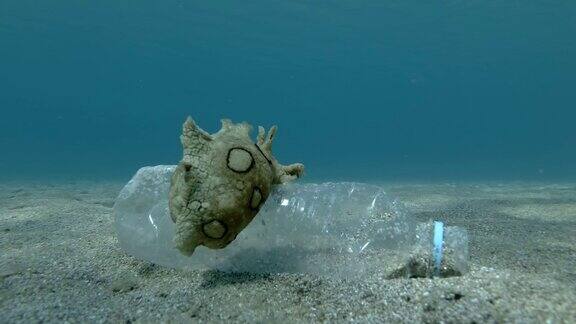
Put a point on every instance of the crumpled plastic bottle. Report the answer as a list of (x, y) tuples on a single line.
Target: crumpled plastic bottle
[(340, 229)]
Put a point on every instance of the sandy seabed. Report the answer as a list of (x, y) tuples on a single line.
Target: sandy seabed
[(60, 262)]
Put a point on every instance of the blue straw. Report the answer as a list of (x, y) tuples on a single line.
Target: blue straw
[(438, 246)]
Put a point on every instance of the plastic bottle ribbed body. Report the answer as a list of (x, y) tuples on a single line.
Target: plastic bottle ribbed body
[(336, 229)]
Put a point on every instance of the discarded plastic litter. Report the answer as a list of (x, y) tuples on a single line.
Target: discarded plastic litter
[(333, 229)]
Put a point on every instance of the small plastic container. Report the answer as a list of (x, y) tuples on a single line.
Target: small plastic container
[(331, 229)]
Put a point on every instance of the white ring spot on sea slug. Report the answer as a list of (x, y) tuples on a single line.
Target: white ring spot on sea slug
[(240, 160), (215, 229), (256, 198)]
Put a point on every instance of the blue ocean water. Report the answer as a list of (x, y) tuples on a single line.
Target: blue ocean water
[(360, 89)]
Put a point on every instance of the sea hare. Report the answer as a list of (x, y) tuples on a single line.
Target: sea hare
[(221, 183)]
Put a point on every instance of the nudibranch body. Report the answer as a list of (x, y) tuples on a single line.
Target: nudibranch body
[(221, 183)]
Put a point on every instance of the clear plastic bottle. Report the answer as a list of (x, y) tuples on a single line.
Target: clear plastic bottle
[(334, 229)]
